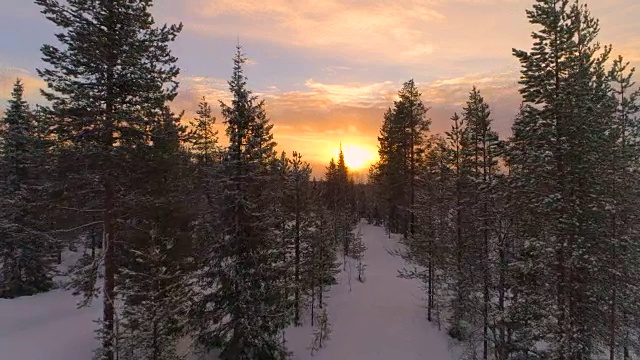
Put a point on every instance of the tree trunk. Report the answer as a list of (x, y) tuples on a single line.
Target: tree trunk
[(296, 317), (459, 265), (109, 272), (614, 295), (485, 310), (502, 355), (322, 274), (156, 353), (485, 231), (412, 164), (314, 271), (93, 242), (430, 276)]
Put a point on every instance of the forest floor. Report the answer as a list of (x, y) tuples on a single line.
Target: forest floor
[(381, 319)]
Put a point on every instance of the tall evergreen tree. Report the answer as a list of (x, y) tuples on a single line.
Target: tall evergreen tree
[(388, 175), (204, 144), (339, 188), (319, 255), (302, 221), (622, 249), (402, 137), (461, 280), (204, 138), (26, 256), (241, 312), (482, 155), (559, 144), (111, 73)]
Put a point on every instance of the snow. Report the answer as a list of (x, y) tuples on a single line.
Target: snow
[(47, 327), (380, 319)]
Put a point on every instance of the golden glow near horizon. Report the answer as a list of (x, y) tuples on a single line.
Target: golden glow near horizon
[(357, 157)]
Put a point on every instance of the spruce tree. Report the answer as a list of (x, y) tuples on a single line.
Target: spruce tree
[(358, 249), (27, 251), (339, 188), (241, 313), (204, 139), (111, 72)]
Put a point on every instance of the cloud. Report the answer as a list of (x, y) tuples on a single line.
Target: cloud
[(442, 37), (384, 28), (454, 91), (358, 95), (334, 70), (499, 89), (32, 84)]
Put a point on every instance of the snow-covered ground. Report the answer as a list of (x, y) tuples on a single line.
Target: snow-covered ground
[(47, 327), (380, 319)]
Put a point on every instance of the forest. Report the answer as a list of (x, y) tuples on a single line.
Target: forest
[(527, 246)]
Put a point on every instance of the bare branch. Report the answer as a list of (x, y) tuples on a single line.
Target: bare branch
[(78, 227), (80, 210)]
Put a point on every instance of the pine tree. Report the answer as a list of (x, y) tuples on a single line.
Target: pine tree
[(462, 278), (302, 221), (482, 150), (560, 142), (402, 137), (281, 192), (319, 262), (241, 312), (111, 73), (388, 175), (27, 250), (339, 191), (623, 252), (427, 250)]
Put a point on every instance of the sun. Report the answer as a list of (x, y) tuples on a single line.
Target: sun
[(357, 157)]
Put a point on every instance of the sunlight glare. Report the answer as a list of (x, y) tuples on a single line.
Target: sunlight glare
[(357, 157)]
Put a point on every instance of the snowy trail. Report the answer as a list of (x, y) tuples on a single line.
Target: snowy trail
[(380, 319)]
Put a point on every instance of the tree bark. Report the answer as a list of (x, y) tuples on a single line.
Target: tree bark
[(297, 259), (109, 273)]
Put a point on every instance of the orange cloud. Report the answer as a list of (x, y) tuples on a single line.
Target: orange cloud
[(384, 28), (32, 84)]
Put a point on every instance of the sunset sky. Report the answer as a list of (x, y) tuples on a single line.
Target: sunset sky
[(328, 69)]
